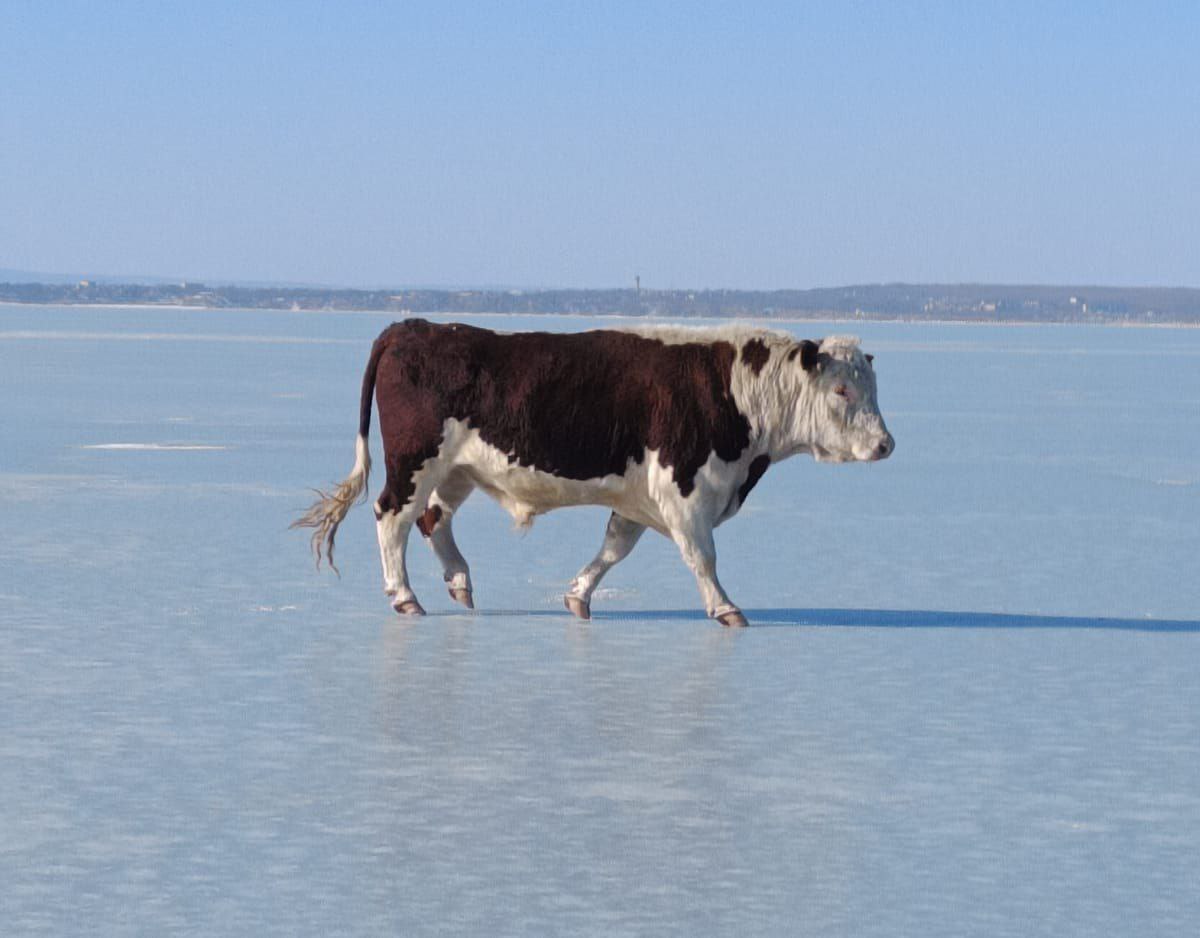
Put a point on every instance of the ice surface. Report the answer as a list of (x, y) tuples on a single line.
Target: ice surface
[(970, 706)]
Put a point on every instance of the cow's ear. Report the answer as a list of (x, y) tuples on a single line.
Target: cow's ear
[(810, 354)]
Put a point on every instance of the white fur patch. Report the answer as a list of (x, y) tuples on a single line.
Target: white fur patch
[(646, 492), (735, 333), (526, 491)]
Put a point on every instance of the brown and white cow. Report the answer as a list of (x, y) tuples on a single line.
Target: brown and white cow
[(669, 427)]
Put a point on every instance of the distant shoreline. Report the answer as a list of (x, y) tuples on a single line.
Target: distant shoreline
[(886, 302), (765, 321)]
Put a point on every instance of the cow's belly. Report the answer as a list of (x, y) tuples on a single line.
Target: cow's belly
[(526, 491)]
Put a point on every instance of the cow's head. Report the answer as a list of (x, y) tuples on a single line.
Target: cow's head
[(842, 416)]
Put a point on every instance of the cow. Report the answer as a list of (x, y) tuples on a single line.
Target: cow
[(669, 427)]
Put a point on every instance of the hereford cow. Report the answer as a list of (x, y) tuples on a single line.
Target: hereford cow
[(669, 427)]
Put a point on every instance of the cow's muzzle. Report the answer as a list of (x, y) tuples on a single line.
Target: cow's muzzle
[(883, 449)]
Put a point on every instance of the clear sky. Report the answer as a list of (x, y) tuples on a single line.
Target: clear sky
[(742, 144)]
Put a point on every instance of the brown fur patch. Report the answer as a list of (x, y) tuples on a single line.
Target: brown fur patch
[(755, 354), (809, 352), (578, 405), (429, 519), (757, 467)]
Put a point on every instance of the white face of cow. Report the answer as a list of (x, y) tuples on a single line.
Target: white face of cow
[(844, 423)]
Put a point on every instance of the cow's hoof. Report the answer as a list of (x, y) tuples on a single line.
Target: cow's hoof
[(410, 607), (579, 607), (461, 596), (733, 620)]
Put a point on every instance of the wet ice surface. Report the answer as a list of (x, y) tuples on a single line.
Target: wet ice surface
[(970, 706)]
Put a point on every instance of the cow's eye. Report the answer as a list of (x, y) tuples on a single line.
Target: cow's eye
[(842, 391)]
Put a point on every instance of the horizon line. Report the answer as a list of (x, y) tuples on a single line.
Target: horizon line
[(61, 279)]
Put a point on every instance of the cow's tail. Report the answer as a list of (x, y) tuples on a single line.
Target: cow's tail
[(327, 512)]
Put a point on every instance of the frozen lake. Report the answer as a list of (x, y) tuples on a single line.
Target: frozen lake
[(971, 704)]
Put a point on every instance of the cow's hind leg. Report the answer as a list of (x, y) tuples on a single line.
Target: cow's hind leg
[(435, 524), (401, 502), (619, 539)]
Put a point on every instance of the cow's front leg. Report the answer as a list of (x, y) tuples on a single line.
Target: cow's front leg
[(619, 538), (700, 554)]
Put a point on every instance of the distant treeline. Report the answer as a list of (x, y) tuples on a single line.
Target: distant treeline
[(931, 302)]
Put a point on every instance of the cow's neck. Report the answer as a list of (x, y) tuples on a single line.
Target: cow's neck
[(779, 403)]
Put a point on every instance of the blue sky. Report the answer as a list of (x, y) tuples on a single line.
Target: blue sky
[(568, 144)]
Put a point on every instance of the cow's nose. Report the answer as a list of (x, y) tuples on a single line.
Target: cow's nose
[(885, 447)]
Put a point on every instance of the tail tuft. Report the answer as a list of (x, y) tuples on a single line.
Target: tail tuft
[(327, 512)]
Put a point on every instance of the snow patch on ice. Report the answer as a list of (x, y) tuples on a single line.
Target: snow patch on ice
[(75, 335), (156, 447)]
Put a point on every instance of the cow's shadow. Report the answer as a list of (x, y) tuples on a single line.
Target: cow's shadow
[(922, 619), (884, 619)]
